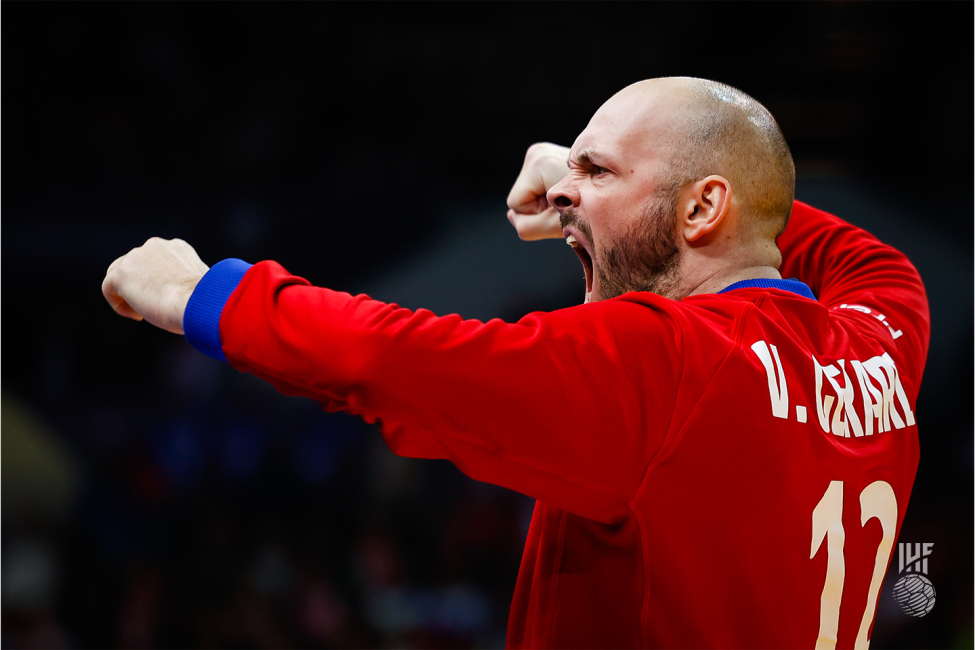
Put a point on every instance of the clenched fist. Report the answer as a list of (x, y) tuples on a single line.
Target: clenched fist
[(528, 209), (154, 282)]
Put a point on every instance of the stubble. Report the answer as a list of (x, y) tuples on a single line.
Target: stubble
[(647, 258)]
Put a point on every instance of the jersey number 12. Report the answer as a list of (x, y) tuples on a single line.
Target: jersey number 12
[(876, 500)]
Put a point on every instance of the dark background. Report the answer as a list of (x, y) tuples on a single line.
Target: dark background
[(154, 498)]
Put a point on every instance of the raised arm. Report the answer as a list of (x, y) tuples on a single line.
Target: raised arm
[(850, 270)]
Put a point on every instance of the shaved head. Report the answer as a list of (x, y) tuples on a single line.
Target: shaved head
[(714, 128)]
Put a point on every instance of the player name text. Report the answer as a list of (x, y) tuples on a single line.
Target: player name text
[(851, 397)]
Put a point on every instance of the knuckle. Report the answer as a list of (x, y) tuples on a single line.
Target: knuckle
[(534, 151)]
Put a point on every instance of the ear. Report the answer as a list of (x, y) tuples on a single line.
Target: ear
[(704, 207)]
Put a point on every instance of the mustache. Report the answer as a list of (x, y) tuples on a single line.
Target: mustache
[(569, 217)]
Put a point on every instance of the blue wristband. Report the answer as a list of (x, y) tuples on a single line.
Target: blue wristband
[(201, 320)]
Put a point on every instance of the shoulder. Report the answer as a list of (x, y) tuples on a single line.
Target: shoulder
[(648, 326)]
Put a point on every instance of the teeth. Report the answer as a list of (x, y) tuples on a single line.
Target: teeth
[(571, 241)]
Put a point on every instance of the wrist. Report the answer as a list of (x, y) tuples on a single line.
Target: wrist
[(182, 293)]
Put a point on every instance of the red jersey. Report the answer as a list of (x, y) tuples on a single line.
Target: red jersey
[(729, 470)]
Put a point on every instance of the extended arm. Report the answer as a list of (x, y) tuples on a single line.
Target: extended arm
[(544, 406), (539, 406)]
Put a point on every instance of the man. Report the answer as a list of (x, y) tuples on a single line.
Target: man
[(719, 459)]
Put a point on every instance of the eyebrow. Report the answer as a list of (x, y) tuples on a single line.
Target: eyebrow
[(585, 157), (591, 158)]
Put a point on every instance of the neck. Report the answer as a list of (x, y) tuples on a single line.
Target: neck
[(715, 282)]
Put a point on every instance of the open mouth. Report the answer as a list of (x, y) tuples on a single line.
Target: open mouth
[(586, 260)]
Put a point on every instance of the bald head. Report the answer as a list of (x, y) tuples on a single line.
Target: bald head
[(711, 128)]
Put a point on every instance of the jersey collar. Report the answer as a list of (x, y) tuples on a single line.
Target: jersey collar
[(792, 286)]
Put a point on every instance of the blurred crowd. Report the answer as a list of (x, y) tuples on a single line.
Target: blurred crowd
[(229, 516)]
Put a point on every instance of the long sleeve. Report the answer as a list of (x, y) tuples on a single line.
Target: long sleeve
[(849, 270), (556, 406)]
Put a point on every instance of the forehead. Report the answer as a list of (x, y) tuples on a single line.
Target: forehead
[(628, 128)]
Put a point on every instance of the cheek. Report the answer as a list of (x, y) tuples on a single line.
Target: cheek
[(616, 222)]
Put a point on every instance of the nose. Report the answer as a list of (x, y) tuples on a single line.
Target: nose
[(564, 194)]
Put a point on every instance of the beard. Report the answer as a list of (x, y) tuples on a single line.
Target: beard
[(647, 258)]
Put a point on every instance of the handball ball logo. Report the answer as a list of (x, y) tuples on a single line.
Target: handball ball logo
[(915, 594)]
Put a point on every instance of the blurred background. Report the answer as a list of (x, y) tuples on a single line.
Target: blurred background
[(152, 497)]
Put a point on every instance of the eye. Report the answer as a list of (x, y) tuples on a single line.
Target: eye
[(599, 171)]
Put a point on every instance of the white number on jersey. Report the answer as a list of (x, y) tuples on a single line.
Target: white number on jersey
[(876, 500)]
